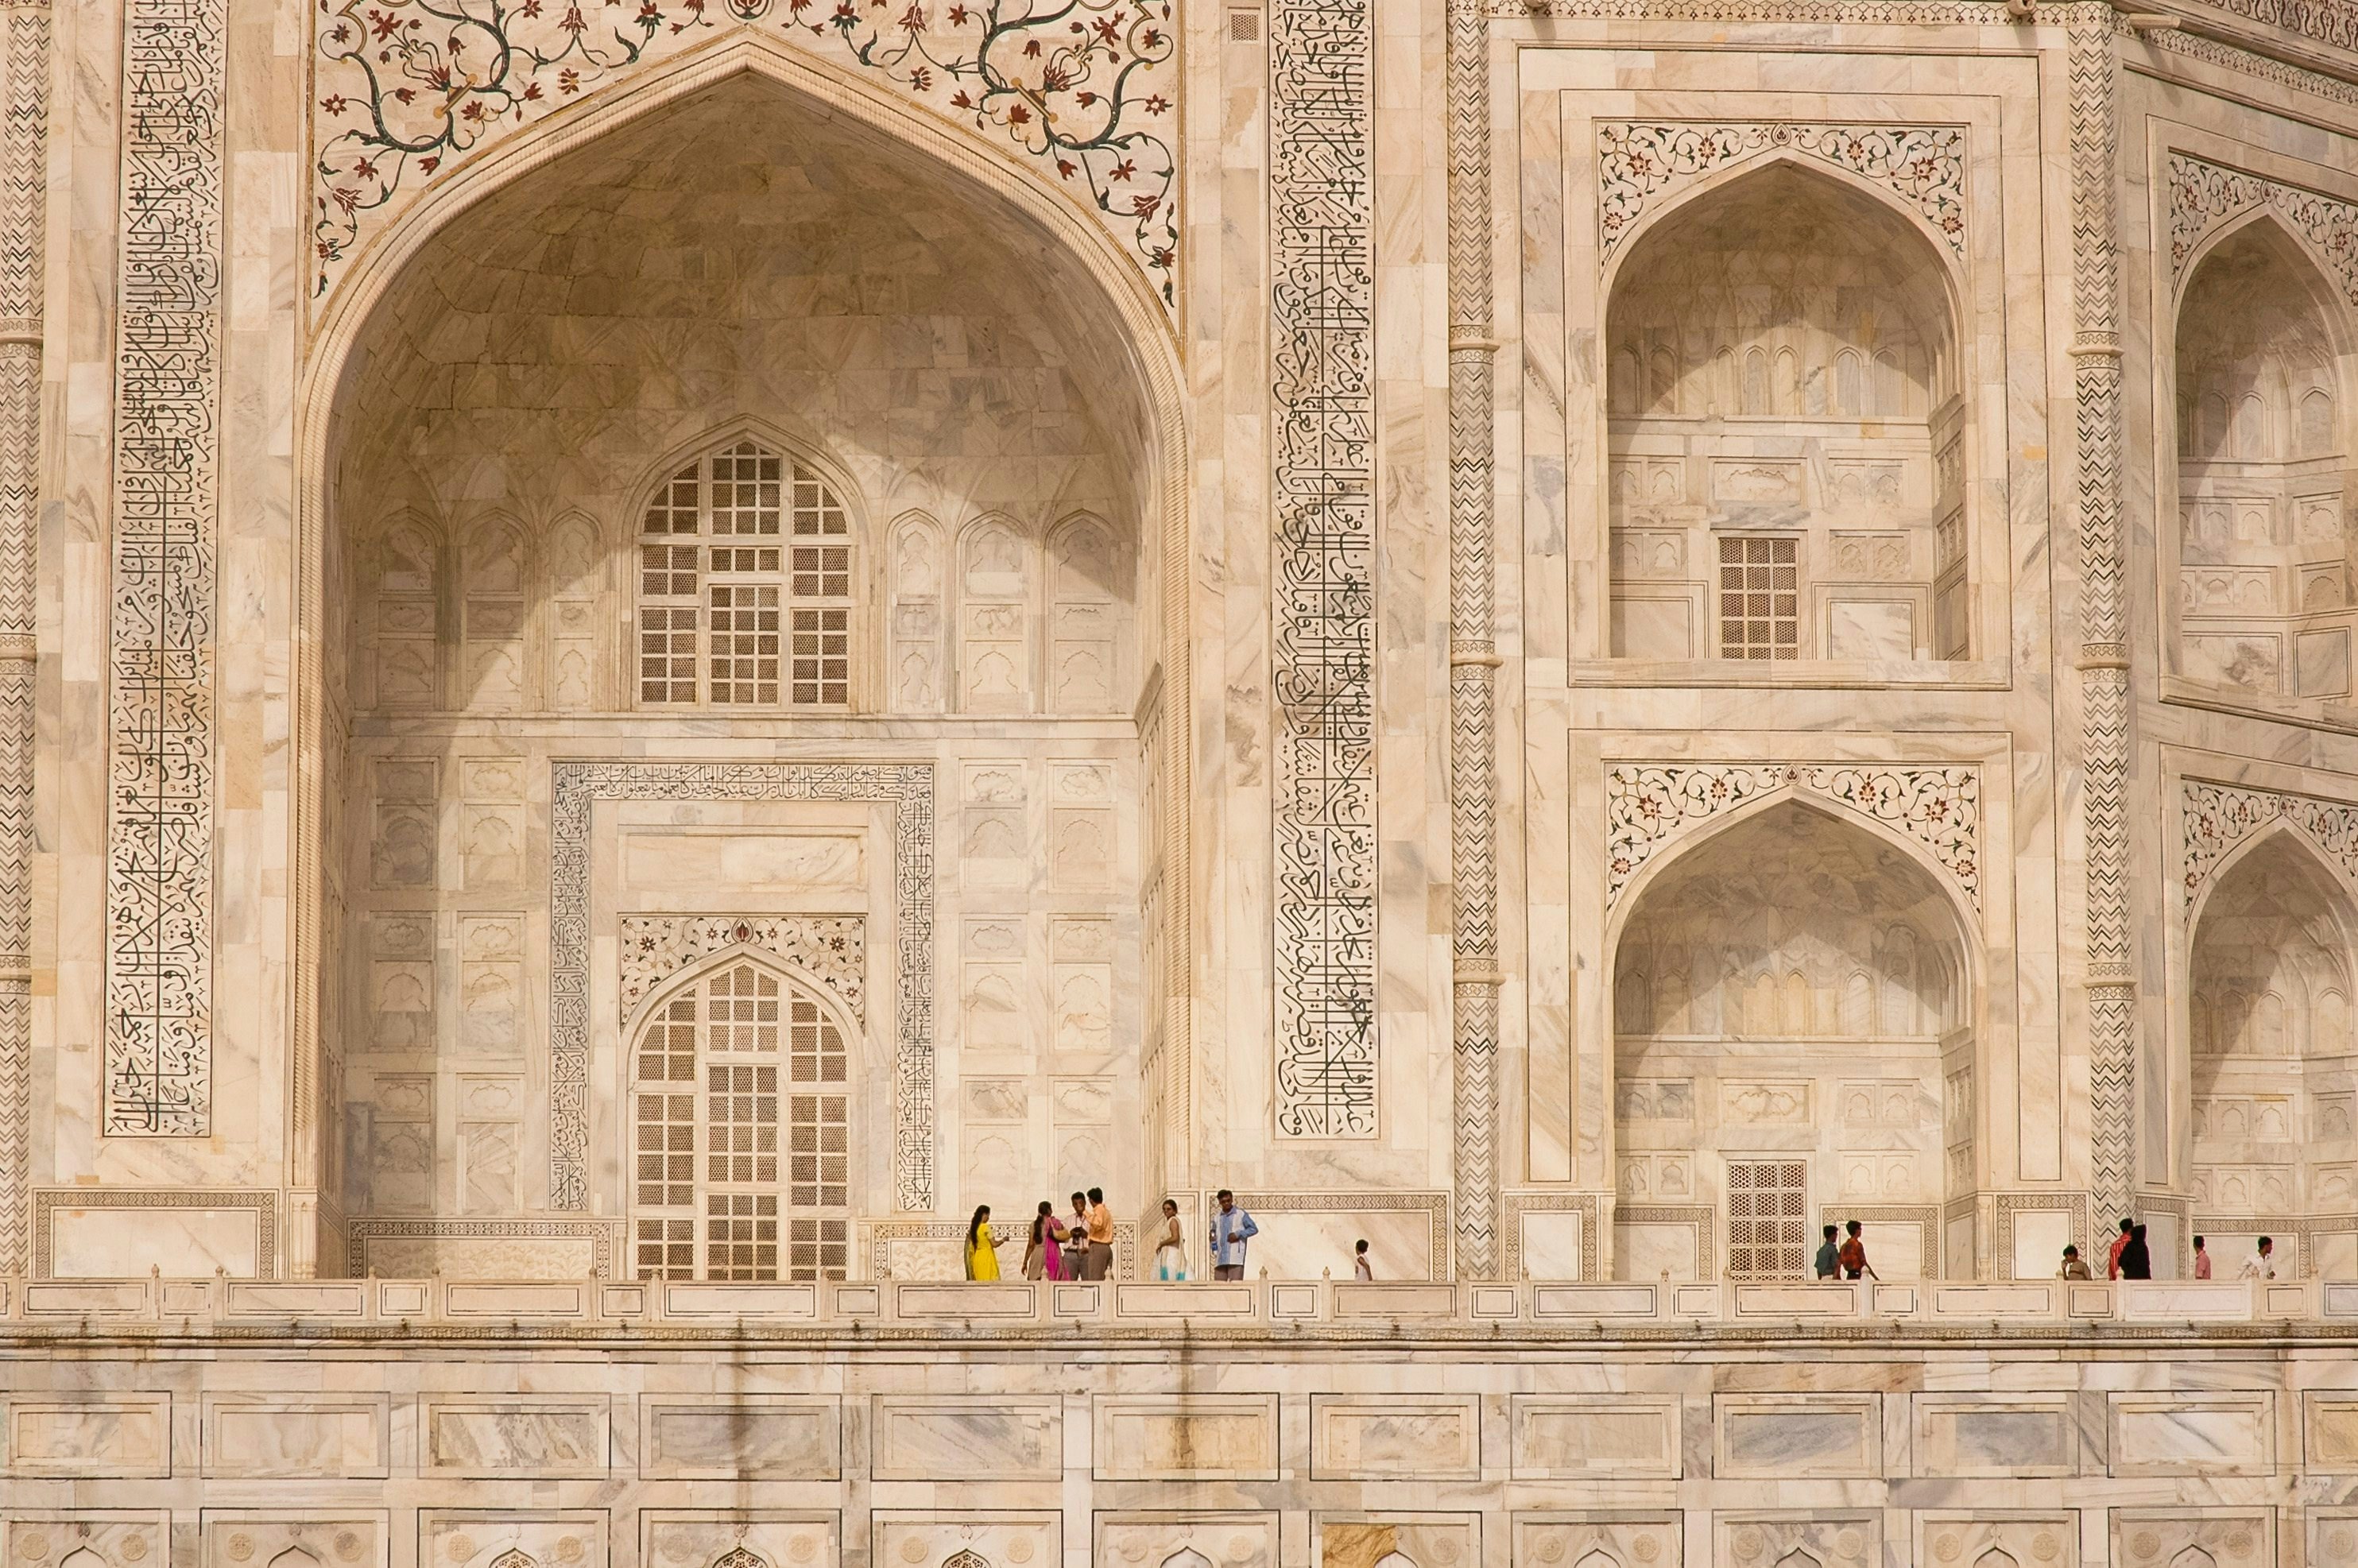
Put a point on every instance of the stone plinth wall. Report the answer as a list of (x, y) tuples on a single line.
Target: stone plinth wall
[(187, 1437)]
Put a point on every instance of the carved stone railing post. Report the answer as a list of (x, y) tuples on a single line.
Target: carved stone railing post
[(24, 184), (1472, 652), (2111, 994)]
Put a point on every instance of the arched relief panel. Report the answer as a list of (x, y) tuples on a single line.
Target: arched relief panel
[(494, 602), (401, 569), (2270, 945), (1076, 260), (1088, 570), (1101, 136), (915, 586), (1795, 1006), (2262, 598), (997, 573), (576, 584)]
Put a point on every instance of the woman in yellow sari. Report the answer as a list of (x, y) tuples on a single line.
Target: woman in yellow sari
[(981, 1248)]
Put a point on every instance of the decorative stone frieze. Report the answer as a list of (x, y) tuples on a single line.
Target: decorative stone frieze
[(1648, 803), (1322, 238), (159, 871), (1639, 162), (2213, 818), (2204, 195), (405, 92)]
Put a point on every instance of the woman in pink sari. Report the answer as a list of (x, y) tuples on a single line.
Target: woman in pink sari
[(1044, 1257)]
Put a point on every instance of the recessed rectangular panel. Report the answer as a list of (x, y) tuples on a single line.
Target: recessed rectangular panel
[(284, 1436), (1424, 1436), (495, 1437), (745, 1438), (922, 1439), (2194, 1434), (1565, 1436), (1993, 1435), (127, 1435), (1799, 1436), (1192, 1437)]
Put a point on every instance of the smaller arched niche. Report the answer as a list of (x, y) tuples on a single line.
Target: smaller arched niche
[(2272, 1084), (1792, 1014), (1785, 433), (2265, 571)]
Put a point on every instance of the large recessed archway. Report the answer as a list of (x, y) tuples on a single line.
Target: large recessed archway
[(1793, 1012), (2274, 1136), (742, 429), (2265, 597), (1786, 425)]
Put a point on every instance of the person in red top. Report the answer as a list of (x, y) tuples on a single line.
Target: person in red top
[(2113, 1259), (1853, 1256)]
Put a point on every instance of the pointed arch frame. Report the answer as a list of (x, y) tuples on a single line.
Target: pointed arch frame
[(2338, 314), (1967, 935), (1705, 187), (1148, 337)]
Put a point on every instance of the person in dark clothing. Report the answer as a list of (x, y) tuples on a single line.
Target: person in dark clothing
[(1828, 1265), (2136, 1262)]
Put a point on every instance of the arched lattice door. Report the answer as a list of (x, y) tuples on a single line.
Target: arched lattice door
[(743, 1128)]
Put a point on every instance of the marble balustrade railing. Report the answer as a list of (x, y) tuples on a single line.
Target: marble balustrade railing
[(162, 1305)]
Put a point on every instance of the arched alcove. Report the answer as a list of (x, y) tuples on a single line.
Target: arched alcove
[(1787, 473), (2271, 975), (721, 391), (1793, 1008), (2265, 590)]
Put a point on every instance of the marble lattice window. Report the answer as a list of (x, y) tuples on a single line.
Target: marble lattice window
[(1767, 1220), (1759, 599), (742, 1129), (744, 586)]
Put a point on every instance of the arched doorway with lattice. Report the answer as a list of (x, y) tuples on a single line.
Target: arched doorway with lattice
[(740, 1119)]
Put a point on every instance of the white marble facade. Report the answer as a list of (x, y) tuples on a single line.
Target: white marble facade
[(1573, 638), (647, 650)]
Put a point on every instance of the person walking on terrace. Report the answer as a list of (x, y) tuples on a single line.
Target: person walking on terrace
[(1827, 1265), (1232, 1228), (2137, 1260), (981, 1248), (1043, 1259), (1170, 1250), (1854, 1254), (1100, 1234)]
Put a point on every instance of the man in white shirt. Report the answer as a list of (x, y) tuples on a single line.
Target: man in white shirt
[(2262, 1264), (1231, 1228)]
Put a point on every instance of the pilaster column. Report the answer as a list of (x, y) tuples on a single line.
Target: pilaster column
[(23, 241), (2111, 992), (1473, 653)]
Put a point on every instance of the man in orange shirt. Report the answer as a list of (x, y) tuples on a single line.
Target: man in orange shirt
[(1100, 1263)]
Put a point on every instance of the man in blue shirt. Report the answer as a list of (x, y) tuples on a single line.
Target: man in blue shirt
[(1231, 1228)]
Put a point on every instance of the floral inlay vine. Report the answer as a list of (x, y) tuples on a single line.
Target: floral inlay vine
[(1639, 160), (1648, 803), (831, 949), (1085, 91), (2214, 819), (2203, 195)]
